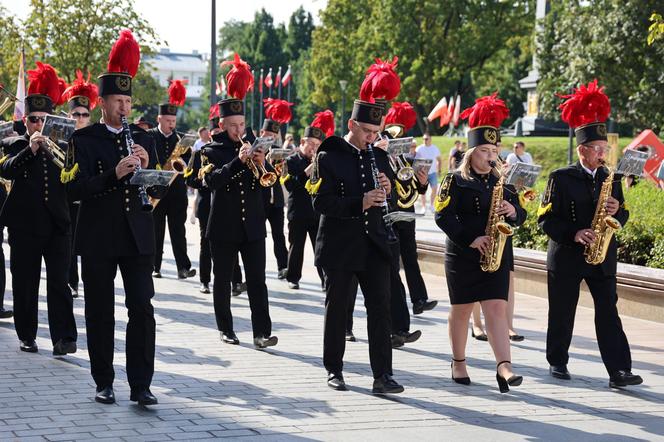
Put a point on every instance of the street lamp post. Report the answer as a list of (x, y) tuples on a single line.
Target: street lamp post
[(343, 84), (213, 54)]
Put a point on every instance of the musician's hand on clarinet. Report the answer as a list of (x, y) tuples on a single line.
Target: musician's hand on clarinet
[(482, 244), (612, 206), (36, 139), (142, 154), (374, 198), (384, 183), (506, 209), (245, 152), (126, 166)]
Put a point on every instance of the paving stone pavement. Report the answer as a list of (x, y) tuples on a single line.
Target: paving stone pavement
[(207, 390)]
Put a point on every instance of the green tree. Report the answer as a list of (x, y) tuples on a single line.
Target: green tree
[(656, 29), (611, 46)]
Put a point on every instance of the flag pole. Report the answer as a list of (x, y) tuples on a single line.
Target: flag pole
[(260, 102), (253, 93), (288, 88), (279, 80)]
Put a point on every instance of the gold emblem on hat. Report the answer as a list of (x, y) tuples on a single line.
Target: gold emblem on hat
[(39, 102), (85, 101), (601, 130), (123, 83), (491, 135), (375, 114), (317, 133), (172, 109), (236, 107)]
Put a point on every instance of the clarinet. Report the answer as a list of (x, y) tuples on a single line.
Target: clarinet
[(391, 236), (146, 206)]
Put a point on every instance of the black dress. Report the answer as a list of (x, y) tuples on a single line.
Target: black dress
[(463, 219)]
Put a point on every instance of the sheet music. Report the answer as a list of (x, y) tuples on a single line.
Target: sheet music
[(523, 175), (6, 130), (152, 177), (632, 162), (422, 164), (398, 146), (58, 128), (263, 143), (394, 217)]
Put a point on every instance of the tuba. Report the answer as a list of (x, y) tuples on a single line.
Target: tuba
[(497, 230), (603, 225)]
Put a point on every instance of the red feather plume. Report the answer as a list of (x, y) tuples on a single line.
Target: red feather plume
[(239, 79), (82, 87), (324, 121), (278, 110), (214, 112), (587, 104), (44, 80), (125, 54), (381, 81), (487, 111), (403, 114), (177, 92)]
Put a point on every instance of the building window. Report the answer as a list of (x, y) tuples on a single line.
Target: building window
[(201, 81)]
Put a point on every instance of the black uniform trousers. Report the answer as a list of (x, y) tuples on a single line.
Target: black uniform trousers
[(375, 284), (563, 299), (3, 275), (73, 267), (275, 215), (398, 305), (297, 238), (174, 207), (224, 258), (98, 274), (26, 254), (205, 255), (408, 250)]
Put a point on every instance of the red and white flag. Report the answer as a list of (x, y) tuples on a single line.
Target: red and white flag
[(268, 79), (438, 109), (287, 77), (457, 111), (447, 114), (278, 79), (19, 105)]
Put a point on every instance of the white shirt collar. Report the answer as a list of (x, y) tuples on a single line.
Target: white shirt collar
[(590, 172), (165, 136), (348, 141), (113, 130)]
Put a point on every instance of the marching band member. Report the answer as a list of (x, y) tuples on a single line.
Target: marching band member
[(114, 229), (568, 215), (173, 204), (302, 218), (237, 214), (36, 215), (473, 209)]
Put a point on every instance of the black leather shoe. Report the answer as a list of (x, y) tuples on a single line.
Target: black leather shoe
[(386, 385), (464, 380), (62, 347), (105, 395), (205, 288), (336, 381), (184, 273), (29, 346), (397, 341), (560, 372), (282, 274), (143, 396), (422, 306), (409, 337), (623, 378), (74, 291), (293, 285), (229, 338), (236, 290), (263, 342), (156, 274), (4, 314), (350, 337)]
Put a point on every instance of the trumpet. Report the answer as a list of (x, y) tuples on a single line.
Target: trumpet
[(264, 177), (53, 152)]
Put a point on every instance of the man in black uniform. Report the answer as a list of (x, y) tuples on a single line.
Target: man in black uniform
[(173, 205), (273, 196), (113, 231), (566, 216), (237, 214), (36, 214), (302, 219), (352, 242), (4, 313)]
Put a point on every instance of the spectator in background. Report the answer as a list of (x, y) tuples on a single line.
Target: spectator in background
[(456, 155), (203, 138), (142, 122), (289, 142), (519, 154), (430, 151)]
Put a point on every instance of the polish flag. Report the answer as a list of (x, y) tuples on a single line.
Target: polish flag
[(457, 111), (287, 77), (438, 109), (268, 79)]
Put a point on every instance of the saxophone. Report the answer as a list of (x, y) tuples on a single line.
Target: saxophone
[(497, 230), (603, 225), (173, 163)]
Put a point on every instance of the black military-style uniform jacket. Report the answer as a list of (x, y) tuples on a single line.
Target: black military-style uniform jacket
[(163, 148), (568, 205), (202, 202), (110, 219), (38, 201), (237, 211), (465, 211), (300, 206), (346, 231)]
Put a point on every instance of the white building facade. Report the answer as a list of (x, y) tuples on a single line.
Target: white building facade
[(192, 67)]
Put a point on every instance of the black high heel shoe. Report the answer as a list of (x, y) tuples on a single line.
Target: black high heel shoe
[(504, 384), (481, 337), (462, 381)]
